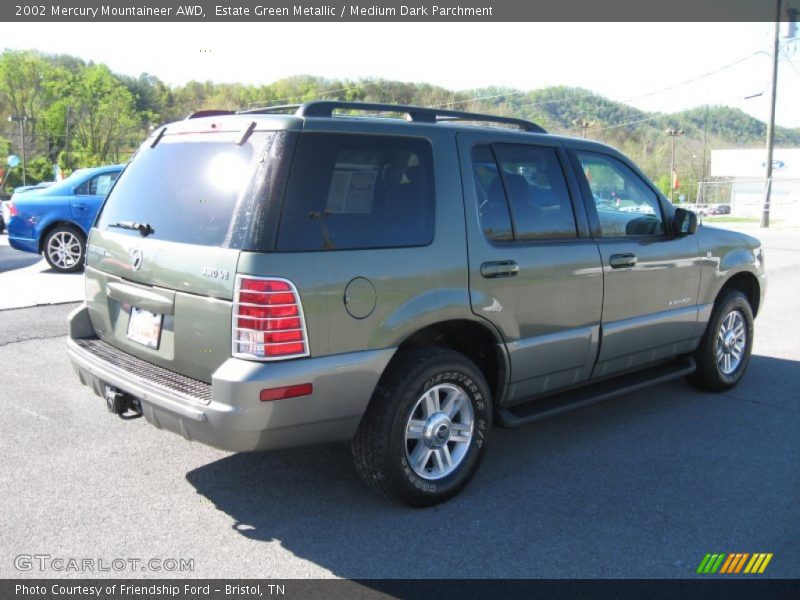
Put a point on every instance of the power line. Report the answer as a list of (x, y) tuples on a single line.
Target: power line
[(703, 76), (514, 93), (791, 64), (687, 81), (653, 118), (694, 79), (347, 89), (676, 85), (540, 102), (652, 93), (446, 104), (646, 95)]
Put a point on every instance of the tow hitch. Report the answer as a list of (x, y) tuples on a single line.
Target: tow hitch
[(120, 403)]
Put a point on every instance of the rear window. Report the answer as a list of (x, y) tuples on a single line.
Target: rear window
[(194, 189), (358, 191)]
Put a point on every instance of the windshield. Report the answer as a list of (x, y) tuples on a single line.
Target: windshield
[(189, 189)]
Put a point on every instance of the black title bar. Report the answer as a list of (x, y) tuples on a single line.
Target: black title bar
[(386, 10)]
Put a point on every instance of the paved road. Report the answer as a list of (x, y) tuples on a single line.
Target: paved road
[(642, 486), (11, 259), (27, 280)]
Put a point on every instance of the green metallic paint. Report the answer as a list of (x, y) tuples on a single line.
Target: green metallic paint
[(547, 322)]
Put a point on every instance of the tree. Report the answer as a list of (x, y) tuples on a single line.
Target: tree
[(153, 99), (32, 86), (106, 119)]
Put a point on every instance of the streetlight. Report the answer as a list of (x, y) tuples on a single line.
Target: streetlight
[(22, 119), (672, 133)]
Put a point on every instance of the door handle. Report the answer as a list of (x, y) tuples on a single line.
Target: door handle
[(620, 261), (499, 268), (80, 206)]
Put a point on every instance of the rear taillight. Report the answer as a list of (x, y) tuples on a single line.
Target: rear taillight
[(268, 321), (12, 210)]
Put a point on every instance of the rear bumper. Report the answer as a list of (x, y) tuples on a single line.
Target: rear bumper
[(23, 244), (230, 415)]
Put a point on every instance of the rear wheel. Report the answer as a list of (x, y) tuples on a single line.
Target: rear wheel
[(724, 351), (64, 249), (425, 431)]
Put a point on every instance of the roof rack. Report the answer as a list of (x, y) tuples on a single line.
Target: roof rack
[(210, 113), (280, 108), (325, 108), (416, 114)]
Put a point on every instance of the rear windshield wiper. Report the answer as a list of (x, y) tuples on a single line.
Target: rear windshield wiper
[(144, 229)]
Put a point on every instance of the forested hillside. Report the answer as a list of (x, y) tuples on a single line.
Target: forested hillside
[(82, 114)]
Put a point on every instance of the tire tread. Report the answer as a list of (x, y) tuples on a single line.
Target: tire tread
[(370, 445)]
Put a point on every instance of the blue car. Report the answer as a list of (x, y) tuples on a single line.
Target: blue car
[(55, 220)]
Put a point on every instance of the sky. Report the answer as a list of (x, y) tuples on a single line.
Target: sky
[(627, 62)]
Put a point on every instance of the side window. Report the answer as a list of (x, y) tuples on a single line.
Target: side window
[(358, 191), (492, 204), (83, 189), (99, 185), (626, 206), (531, 187), (103, 183), (538, 192)]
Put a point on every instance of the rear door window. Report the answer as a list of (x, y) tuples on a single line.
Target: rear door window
[(538, 192), (522, 193), (358, 191), (189, 188), (492, 203)]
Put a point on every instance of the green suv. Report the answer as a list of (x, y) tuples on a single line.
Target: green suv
[(306, 274)]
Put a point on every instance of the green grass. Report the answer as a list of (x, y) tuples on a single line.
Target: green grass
[(729, 219)]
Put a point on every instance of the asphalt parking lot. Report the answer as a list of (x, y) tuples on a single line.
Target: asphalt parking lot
[(641, 486)]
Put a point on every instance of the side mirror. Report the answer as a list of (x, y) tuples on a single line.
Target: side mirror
[(684, 222)]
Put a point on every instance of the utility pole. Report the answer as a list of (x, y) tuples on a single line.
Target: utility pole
[(66, 140), (672, 133), (584, 125), (703, 166), (771, 122), (22, 120)]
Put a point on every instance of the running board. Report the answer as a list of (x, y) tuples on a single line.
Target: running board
[(538, 409)]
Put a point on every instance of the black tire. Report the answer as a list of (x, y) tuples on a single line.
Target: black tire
[(380, 449), (72, 260), (710, 374)]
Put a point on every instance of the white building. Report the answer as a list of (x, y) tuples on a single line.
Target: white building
[(746, 170)]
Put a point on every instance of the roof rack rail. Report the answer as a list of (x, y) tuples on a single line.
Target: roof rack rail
[(325, 108), (280, 108), (417, 114), (210, 113)]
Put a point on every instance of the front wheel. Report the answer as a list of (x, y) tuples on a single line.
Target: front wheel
[(64, 249), (724, 351), (425, 431)]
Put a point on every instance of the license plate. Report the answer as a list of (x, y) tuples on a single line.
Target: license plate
[(144, 327)]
